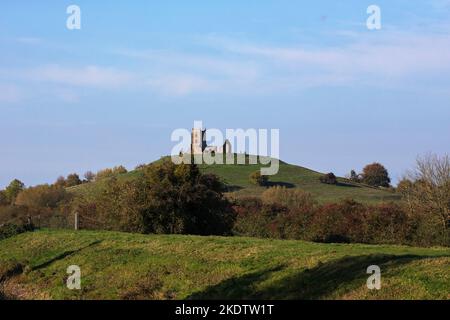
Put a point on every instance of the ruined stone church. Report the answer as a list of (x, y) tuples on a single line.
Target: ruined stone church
[(199, 145)]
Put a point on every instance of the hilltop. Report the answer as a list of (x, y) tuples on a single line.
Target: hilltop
[(133, 266), (236, 178)]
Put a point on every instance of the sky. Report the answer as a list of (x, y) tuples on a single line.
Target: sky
[(112, 92)]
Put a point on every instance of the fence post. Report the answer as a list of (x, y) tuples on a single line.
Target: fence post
[(76, 220)]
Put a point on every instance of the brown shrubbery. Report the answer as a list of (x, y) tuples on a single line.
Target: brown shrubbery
[(292, 214)]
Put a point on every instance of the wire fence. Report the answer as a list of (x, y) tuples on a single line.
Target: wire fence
[(74, 221)]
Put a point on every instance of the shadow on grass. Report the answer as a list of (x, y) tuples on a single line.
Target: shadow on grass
[(346, 184), (64, 255), (239, 287), (346, 274)]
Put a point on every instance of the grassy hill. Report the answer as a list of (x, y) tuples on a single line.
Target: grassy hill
[(292, 176), (132, 266)]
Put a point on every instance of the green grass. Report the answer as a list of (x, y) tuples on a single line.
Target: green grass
[(120, 265), (292, 176)]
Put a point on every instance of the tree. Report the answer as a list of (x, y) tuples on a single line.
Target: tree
[(428, 192), (119, 170), (182, 200), (3, 198), (103, 174), (89, 176), (42, 196), (166, 198), (376, 175), (328, 178), (14, 188), (354, 176), (73, 180), (404, 186), (60, 182), (258, 179)]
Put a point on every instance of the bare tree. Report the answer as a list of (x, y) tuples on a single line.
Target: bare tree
[(429, 188), (89, 176)]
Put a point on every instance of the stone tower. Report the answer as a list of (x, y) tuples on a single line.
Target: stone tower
[(198, 141)]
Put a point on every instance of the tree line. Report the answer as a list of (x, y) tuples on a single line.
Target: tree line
[(169, 198)]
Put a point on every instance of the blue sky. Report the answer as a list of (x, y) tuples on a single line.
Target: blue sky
[(112, 92)]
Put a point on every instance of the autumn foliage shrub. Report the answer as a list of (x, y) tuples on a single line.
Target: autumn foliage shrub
[(339, 222), (292, 214)]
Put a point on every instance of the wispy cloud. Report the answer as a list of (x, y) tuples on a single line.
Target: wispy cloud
[(440, 4), (179, 84), (396, 55), (385, 58), (29, 40), (87, 76)]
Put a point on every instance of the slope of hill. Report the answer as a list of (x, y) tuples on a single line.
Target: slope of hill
[(132, 266), (292, 176)]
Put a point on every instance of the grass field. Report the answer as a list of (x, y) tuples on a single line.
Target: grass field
[(291, 176), (132, 266)]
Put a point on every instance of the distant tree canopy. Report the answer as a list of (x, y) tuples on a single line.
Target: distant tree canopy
[(376, 175), (73, 180), (3, 198), (61, 181), (110, 172), (258, 179), (42, 196), (89, 176), (14, 188)]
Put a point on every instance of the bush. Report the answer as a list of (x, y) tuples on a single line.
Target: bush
[(167, 198), (276, 216), (328, 178), (280, 213), (10, 214), (256, 219), (258, 179), (10, 230), (387, 223), (292, 198), (339, 222), (182, 200)]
